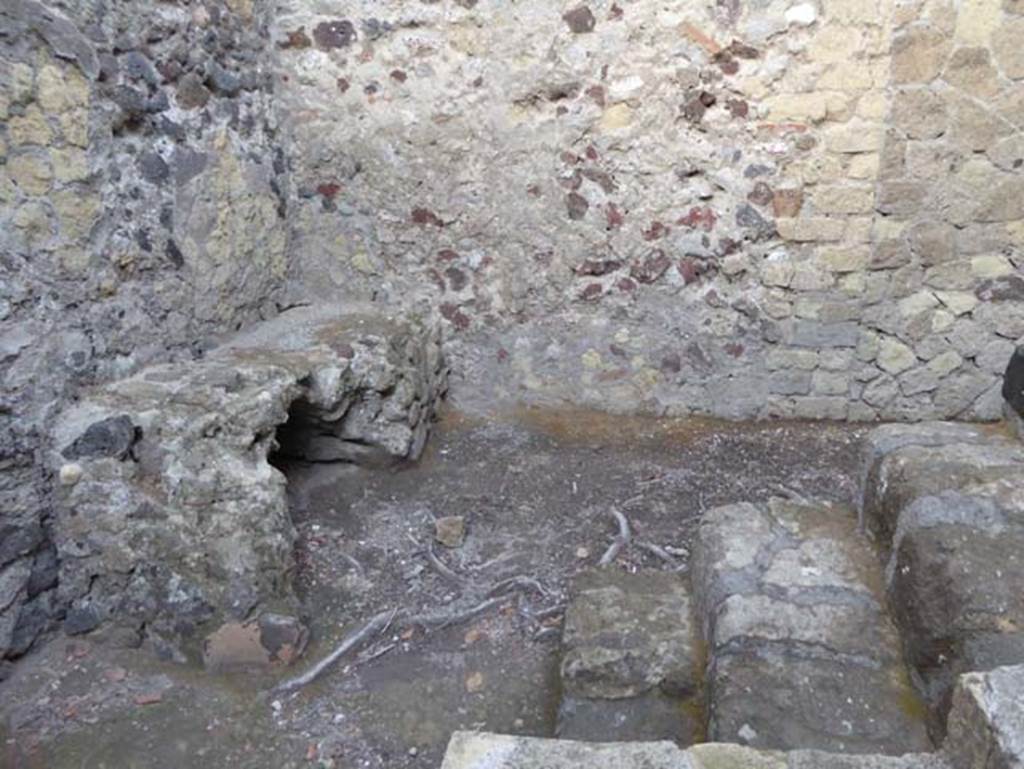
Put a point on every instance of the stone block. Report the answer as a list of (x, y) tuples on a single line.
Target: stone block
[(894, 357), (854, 137), (627, 634), (844, 258), (986, 723), (970, 69), (788, 667), (476, 750), (918, 54), (1009, 53), (957, 612), (833, 199), (630, 663), (920, 112)]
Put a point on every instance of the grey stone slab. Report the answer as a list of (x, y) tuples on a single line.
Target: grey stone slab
[(626, 634), (803, 654), (897, 478), (816, 759), (631, 668), (774, 697), (986, 724), (470, 750), (956, 590)]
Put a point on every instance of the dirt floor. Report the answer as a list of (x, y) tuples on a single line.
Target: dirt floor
[(536, 490)]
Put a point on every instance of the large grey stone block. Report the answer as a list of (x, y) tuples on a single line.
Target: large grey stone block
[(802, 653)]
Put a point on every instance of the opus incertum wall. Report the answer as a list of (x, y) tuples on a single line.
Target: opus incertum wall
[(746, 209), (740, 208)]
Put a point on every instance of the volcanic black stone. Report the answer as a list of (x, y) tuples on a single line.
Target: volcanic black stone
[(111, 437), (81, 620), (153, 168), (1013, 382)]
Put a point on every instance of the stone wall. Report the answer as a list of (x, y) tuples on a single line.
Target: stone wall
[(748, 209), (141, 211)]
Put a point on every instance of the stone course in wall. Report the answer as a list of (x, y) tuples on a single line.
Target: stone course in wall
[(141, 212), (745, 209)]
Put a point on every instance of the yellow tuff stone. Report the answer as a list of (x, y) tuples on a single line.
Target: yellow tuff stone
[(29, 128), (616, 117), (32, 173), (77, 211), (844, 258), (70, 164), (810, 230)]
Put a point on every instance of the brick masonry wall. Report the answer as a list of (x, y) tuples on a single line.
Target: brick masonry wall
[(747, 209)]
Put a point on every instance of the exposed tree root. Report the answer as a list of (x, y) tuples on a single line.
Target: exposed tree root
[(621, 541), (351, 642)]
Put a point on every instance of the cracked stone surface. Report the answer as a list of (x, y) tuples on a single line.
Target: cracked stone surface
[(802, 653), (173, 517)]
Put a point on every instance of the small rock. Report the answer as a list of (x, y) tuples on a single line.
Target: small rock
[(81, 620), (222, 82), (115, 674), (148, 698), (474, 682), (803, 14), (70, 474), (191, 92), (450, 531), (580, 20), (1013, 382), (111, 437), (582, 553)]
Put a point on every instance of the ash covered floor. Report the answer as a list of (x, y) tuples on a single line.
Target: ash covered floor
[(535, 489)]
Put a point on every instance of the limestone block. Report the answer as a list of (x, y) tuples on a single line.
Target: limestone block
[(1009, 53), (920, 112), (971, 70), (29, 128), (844, 259), (918, 54), (811, 230), (845, 199), (854, 137)]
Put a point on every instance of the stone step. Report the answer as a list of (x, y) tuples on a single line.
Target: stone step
[(473, 750), (986, 731), (631, 669), (947, 501), (802, 653)]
